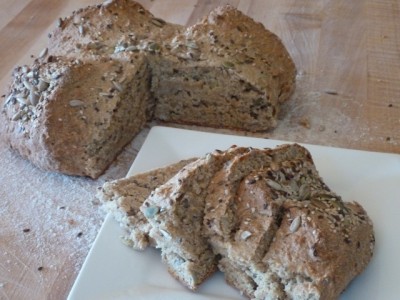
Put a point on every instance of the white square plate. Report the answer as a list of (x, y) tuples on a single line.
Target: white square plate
[(114, 271)]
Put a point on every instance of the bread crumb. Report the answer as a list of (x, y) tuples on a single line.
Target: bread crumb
[(305, 122)]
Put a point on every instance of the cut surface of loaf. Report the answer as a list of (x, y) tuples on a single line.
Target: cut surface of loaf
[(175, 212), (124, 197), (111, 68), (266, 218)]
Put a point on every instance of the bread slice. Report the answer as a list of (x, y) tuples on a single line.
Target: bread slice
[(291, 237), (175, 212), (123, 198), (264, 217)]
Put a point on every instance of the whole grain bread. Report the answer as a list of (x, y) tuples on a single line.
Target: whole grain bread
[(124, 197), (110, 68), (266, 217), (291, 237), (175, 211)]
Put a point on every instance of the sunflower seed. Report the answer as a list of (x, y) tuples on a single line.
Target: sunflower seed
[(22, 100), (165, 234), (9, 99), (118, 86), (27, 84), (81, 30), (75, 103), (43, 53), (131, 48), (108, 95), (304, 192), (18, 115), (273, 184), (295, 224), (158, 22), (107, 2)]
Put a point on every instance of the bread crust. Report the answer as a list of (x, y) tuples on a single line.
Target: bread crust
[(225, 71), (266, 217)]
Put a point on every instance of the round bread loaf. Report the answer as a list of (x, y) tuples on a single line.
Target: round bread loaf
[(110, 68)]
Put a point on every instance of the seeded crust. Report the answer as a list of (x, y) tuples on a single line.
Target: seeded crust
[(225, 71), (223, 188), (123, 198), (79, 137), (289, 236), (268, 220)]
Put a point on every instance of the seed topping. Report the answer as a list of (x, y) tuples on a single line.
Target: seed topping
[(295, 224), (76, 103)]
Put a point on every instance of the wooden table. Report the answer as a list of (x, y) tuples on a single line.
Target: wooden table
[(348, 95)]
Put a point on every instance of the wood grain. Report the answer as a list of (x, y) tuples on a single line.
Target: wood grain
[(348, 95)]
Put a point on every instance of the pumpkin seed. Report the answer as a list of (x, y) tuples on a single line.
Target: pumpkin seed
[(43, 85), (33, 98)]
